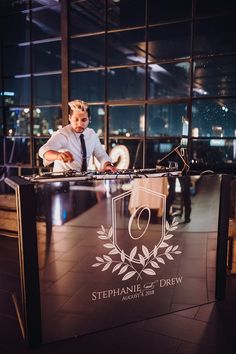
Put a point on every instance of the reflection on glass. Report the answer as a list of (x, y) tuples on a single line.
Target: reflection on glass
[(87, 16), (178, 201), (126, 47), (17, 91), (167, 120), (156, 150), (126, 83), (214, 77), (162, 10), (87, 52), (180, 271), (46, 120), (97, 119), (17, 121), (19, 28), (215, 36), (19, 66), (17, 150), (46, 23), (47, 89), (89, 85), (135, 149), (46, 56), (169, 41), (126, 121), (169, 80), (214, 118), (126, 13), (213, 153)]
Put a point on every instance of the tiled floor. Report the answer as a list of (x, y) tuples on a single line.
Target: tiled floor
[(207, 329)]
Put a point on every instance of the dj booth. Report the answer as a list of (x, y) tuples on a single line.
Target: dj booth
[(96, 250)]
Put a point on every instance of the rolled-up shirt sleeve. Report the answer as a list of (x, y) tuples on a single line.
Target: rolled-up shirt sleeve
[(57, 142), (100, 153)]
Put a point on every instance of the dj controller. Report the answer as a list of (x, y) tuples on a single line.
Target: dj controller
[(72, 175)]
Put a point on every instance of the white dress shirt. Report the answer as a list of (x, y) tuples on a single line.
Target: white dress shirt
[(66, 139)]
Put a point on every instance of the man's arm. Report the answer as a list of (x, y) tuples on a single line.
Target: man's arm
[(102, 156), (52, 155), (50, 151)]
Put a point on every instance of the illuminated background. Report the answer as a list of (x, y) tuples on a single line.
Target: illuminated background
[(153, 71)]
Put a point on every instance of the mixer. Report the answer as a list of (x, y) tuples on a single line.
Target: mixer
[(72, 175)]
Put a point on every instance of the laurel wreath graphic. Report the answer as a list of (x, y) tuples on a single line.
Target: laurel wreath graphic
[(149, 261)]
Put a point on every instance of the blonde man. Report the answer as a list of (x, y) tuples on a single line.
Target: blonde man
[(72, 146)]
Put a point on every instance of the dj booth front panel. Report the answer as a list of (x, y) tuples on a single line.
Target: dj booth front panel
[(98, 254)]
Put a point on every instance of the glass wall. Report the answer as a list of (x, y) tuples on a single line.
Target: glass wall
[(153, 71), (30, 77)]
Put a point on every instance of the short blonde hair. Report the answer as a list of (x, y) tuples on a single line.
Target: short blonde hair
[(79, 106)]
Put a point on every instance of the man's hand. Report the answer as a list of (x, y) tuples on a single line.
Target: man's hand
[(65, 156), (109, 167)]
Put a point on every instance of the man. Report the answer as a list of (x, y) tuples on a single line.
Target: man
[(72, 146)]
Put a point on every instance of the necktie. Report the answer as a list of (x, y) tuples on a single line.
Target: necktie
[(84, 153)]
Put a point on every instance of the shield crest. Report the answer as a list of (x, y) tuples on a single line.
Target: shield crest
[(138, 222)]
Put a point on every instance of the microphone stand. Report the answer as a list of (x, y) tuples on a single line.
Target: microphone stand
[(186, 166)]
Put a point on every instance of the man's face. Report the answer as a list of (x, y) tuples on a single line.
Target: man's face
[(79, 121)]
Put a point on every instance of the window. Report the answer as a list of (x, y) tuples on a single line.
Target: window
[(1, 121), (20, 27), (17, 91), (97, 119), (46, 56), (210, 7), (17, 150), (87, 52), (126, 121), (214, 153), (126, 83), (169, 80), (126, 48), (46, 120), (153, 71), (17, 121), (215, 36), (47, 89), (165, 10), (128, 13), (21, 65), (88, 85), (214, 118), (87, 16), (214, 76), (46, 22), (169, 41), (157, 150), (167, 120)]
